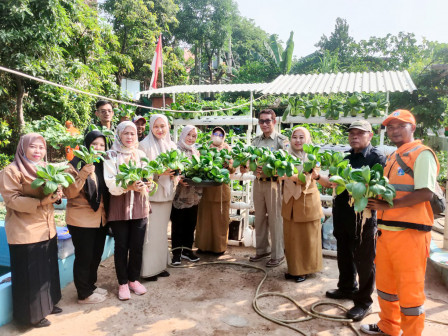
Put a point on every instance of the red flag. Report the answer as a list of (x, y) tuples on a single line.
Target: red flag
[(156, 63)]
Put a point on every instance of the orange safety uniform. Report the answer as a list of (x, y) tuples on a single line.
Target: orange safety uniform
[(401, 255), (69, 155)]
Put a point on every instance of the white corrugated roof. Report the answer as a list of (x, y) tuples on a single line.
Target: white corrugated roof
[(383, 81), (206, 88)]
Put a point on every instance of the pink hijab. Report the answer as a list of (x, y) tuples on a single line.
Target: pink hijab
[(153, 146), (27, 167)]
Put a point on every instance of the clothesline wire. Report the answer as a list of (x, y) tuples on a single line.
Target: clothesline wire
[(41, 80)]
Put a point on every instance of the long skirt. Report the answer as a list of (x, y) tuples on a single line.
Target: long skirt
[(155, 248), (35, 280), (212, 229), (303, 246)]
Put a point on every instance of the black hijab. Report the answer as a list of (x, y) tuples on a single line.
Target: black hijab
[(93, 190)]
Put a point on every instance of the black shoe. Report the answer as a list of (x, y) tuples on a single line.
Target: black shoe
[(151, 278), (357, 313), (340, 294), (176, 260), (163, 274), (56, 310), (372, 329), (296, 278), (42, 323), (189, 255)]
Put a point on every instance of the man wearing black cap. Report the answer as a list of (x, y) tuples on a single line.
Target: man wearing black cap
[(355, 253)]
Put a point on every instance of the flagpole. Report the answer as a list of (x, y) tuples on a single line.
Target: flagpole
[(163, 82)]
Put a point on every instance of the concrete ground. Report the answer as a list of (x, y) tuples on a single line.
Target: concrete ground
[(216, 300)]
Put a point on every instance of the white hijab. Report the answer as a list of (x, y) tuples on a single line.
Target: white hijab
[(153, 146)]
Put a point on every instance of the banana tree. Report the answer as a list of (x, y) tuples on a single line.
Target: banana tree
[(281, 58)]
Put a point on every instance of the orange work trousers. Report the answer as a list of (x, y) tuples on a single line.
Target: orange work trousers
[(400, 280)]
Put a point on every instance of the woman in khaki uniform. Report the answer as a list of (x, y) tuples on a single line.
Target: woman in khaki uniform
[(302, 213), (31, 235), (88, 198), (212, 229)]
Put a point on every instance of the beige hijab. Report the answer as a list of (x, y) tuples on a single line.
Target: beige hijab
[(224, 144), (125, 153), (27, 167), (153, 146), (292, 189)]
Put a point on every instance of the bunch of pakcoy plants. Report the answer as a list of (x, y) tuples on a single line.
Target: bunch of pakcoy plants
[(51, 177), (362, 184), (174, 159), (327, 160), (130, 173), (277, 163), (89, 156), (208, 167)]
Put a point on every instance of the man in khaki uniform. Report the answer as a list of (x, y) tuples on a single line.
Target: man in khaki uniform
[(268, 197)]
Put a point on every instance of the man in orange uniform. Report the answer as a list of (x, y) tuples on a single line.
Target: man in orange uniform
[(404, 231), (73, 131)]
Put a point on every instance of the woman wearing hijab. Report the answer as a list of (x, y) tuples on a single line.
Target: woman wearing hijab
[(31, 235), (128, 211), (185, 205), (88, 198), (302, 213), (212, 229), (155, 249)]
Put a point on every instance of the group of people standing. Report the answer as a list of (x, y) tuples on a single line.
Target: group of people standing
[(95, 203), (287, 219)]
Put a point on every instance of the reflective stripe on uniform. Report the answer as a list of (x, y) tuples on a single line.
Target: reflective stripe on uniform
[(411, 150), (413, 311), (387, 297), (403, 187)]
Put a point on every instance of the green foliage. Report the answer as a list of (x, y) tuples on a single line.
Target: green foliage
[(364, 183), (130, 172), (89, 156), (5, 160), (51, 177), (370, 105), (208, 167), (53, 132), (326, 160), (206, 25), (174, 159), (5, 134), (277, 163)]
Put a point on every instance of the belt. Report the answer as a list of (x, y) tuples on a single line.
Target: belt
[(268, 179)]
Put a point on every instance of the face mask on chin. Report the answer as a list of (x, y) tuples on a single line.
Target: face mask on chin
[(217, 141)]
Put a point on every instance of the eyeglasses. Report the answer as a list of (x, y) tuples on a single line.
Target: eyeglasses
[(219, 135), (264, 121)]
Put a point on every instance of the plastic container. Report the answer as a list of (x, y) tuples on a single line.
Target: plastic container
[(65, 245), (4, 248)]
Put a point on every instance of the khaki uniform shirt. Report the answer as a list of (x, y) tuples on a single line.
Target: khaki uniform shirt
[(79, 212), (26, 220), (274, 142)]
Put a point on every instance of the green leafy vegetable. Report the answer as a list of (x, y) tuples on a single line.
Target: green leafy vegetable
[(89, 156), (51, 177)]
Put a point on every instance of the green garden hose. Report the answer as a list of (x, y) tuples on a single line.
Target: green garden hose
[(312, 313)]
